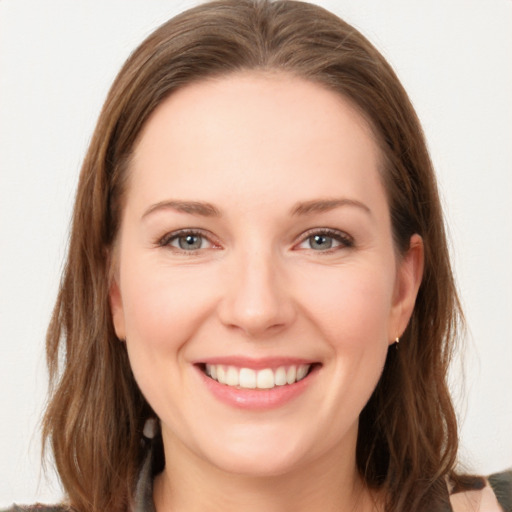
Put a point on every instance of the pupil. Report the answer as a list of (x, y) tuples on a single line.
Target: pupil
[(190, 242), (321, 242)]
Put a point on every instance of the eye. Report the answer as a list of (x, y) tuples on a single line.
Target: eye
[(325, 240), (189, 242), (186, 241)]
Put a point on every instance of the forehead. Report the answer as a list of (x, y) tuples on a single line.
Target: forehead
[(254, 132)]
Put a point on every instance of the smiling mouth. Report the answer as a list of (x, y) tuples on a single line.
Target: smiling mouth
[(264, 378)]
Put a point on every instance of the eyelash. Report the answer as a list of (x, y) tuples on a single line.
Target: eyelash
[(344, 240), (166, 240)]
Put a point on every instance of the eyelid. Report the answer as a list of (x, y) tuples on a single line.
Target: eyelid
[(344, 239), (165, 240)]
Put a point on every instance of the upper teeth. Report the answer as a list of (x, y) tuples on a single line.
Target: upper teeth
[(265, 378)]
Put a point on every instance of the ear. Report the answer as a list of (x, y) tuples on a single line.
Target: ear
[(116, 308), (408, 281)]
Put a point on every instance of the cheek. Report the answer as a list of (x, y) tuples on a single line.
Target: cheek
[(351, 305), (349, 309), (162, 304), (162, 308)]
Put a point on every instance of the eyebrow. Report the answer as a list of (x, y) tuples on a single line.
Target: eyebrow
[(205, 209), (190, 207), (324, 205)]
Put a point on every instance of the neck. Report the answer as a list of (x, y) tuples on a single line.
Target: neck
[(329, 483)]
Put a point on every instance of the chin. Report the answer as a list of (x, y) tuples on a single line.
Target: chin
[(257, 465), (259, 456)]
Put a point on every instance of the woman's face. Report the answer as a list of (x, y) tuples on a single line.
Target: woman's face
[(255, 249)]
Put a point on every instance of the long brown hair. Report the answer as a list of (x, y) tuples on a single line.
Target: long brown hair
[(407, 440)]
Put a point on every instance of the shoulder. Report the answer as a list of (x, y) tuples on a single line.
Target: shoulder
[(479, 494), (502, 486)]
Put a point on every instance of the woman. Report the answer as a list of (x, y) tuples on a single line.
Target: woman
[(258, 308)]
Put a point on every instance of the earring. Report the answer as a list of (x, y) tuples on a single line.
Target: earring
[(150, 428), (397, 341)]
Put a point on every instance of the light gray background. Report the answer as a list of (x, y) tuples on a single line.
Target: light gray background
[(57, 60)]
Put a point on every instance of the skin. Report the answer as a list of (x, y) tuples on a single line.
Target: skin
[(256, 145)]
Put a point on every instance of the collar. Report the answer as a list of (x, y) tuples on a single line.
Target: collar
[(143, 499)]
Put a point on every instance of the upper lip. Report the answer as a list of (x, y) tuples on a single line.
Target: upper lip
[(255, 363)]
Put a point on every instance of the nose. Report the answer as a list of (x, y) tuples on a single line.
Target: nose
[(257, 299)]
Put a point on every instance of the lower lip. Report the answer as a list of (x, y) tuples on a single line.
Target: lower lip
[(257, 399)]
